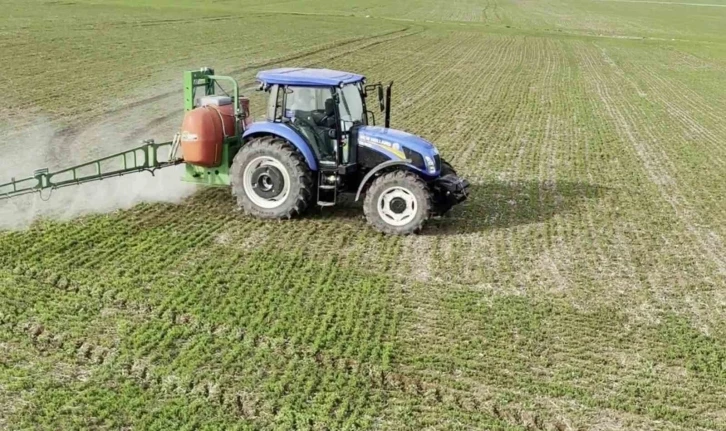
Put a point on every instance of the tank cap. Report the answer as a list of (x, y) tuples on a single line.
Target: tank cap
[(215, 101)]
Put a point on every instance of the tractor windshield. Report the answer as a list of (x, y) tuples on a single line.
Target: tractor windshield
[(350, 106)]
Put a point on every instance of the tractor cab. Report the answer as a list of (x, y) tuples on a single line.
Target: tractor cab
[(323, 106)]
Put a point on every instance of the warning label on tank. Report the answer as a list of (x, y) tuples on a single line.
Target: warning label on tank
[(186, 136)]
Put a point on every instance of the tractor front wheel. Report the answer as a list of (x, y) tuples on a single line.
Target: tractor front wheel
[(442, 205), (270, 179), (397, 203)]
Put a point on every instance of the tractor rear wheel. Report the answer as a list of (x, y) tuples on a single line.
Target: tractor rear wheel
[(270, 179), (397, 203)]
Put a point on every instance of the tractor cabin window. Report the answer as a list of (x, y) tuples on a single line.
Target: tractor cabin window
[(274, 102), (312, 111), (350, 105), (306, 101)]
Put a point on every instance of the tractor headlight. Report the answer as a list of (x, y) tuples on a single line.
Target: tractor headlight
[(430, 165), (425, 163), (415, 158)]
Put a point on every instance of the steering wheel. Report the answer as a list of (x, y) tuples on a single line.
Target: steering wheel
[(306, 122), (325, 119)]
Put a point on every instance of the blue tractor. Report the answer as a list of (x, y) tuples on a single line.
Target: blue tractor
[(319, 141)]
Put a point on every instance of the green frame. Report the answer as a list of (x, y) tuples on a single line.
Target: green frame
[(218, 175), (146, 157)]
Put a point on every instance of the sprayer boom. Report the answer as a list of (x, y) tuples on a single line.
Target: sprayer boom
[(148, 157)]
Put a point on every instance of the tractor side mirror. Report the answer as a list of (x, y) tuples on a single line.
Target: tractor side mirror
[(381, 103)]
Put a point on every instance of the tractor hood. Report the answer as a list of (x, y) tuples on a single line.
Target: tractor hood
[(394, 142)]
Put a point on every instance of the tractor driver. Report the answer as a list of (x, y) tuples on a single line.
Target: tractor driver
[(315, 116), (326, 118), (325, 122)]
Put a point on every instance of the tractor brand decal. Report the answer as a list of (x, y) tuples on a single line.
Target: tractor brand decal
[(377, 143)]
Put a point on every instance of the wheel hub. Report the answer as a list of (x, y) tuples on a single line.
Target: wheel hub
[(267, 182), (397, 206)]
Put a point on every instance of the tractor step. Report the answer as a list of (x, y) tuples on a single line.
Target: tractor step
[(327, 188)]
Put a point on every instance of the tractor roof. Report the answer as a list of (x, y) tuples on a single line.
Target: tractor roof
[(307, 77)]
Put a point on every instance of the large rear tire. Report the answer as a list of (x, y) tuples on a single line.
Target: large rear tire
[(397, 203), (270, 179)]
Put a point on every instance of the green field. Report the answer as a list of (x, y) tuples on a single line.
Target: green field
[(582, 286)]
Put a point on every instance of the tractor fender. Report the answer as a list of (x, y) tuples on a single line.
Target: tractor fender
[(278, 129), (377, 169)]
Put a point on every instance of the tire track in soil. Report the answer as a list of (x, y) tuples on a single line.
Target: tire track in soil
[(680, 103), (696, 124), (617, 267), (654, 161)]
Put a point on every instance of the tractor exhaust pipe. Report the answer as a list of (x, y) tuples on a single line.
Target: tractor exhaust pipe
[(388, 105)]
